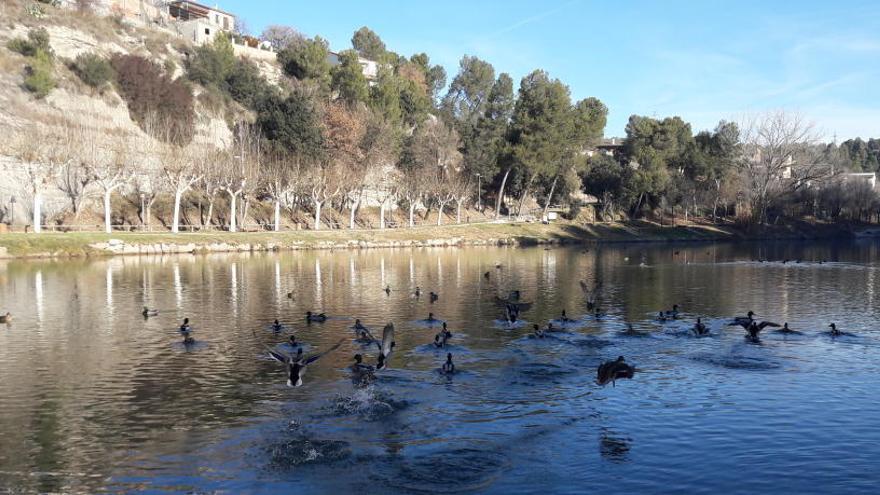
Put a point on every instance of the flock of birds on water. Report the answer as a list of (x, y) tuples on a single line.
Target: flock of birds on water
[(364, 374)]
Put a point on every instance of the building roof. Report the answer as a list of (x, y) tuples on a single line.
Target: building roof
[(184, 3)]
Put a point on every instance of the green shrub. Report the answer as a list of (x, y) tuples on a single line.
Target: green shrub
[(92, 69), (38, 75), (37, 41)]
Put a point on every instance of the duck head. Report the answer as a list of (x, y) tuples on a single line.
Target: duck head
[(358, 358)]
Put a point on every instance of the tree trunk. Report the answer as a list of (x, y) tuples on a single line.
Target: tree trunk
[(458, 211), (244, 212), (147, 219), (412, 212), (107, 227), (277, 215), (210, 212), (175, 223), (317, 215), (522, 199), (38, 203), (440, 214), (382, 215), (233, 197), (500, 197), (549, 197)]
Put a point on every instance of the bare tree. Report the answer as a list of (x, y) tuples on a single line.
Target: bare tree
[(460, 187), (74, 181), (109, 166), (180, 170), (280, 180), (386, 190), (780, 156), (378, 148), (43, 152), (343, 132)]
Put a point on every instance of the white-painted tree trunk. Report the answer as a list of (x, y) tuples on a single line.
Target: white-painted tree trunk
[(501, 193), (412, 212), (107, 227), (38, 204), (382, 215), (175, 223), (277, 215), (318, 215), (440, 214), (458, 212), (233, 197)]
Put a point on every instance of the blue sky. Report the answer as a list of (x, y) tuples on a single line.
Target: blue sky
[(701, 60)]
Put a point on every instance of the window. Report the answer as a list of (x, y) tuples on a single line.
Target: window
[(207, 31), (225, 23)]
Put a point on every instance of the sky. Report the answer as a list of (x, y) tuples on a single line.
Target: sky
[(702, 60)]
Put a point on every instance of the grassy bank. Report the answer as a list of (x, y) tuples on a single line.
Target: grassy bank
[(90, 244)]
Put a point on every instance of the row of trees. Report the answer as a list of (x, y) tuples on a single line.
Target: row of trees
[(330, 136)]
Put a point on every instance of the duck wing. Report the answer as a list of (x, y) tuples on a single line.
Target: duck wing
[(745, 323), (279, 356), (387, 340), (765, 324), (311, 359)]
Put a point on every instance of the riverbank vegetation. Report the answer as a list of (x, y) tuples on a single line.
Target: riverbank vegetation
[(332, 146)]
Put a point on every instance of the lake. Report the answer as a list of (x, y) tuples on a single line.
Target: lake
[(96, 398)]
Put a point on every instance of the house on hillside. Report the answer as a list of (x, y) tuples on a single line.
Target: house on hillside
[(869, 178), (370, 68), (200, 23)]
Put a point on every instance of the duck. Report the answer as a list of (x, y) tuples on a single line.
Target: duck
[(290, 295), (319, 318), (362, 373), (497, 266), (146, 313), (755, 328), (787, 330), (834, 331), (430, 318), (551, 328), (387, 290), (537, 332), (296, 365), (277, 326), (487, 275), (610, 371), (700, 328), (564, 318), (358, 325), (511, 313), (418, 292), (743, 320), (7, 318), (434, 296), (443, 337), (184, 327), (386, 347), (448, 367), (673, 313), (662, 318), (292, 341)]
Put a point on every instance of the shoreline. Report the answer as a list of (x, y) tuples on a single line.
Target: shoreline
[(80, 245)]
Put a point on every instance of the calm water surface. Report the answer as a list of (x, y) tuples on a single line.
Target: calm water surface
[(93, 398)]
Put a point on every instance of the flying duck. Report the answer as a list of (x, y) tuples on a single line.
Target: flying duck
[(146, 313), (362, 373), (743, 320), (296, 365), (318, 318), (755, 328), (385, 347), (610, 371)]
